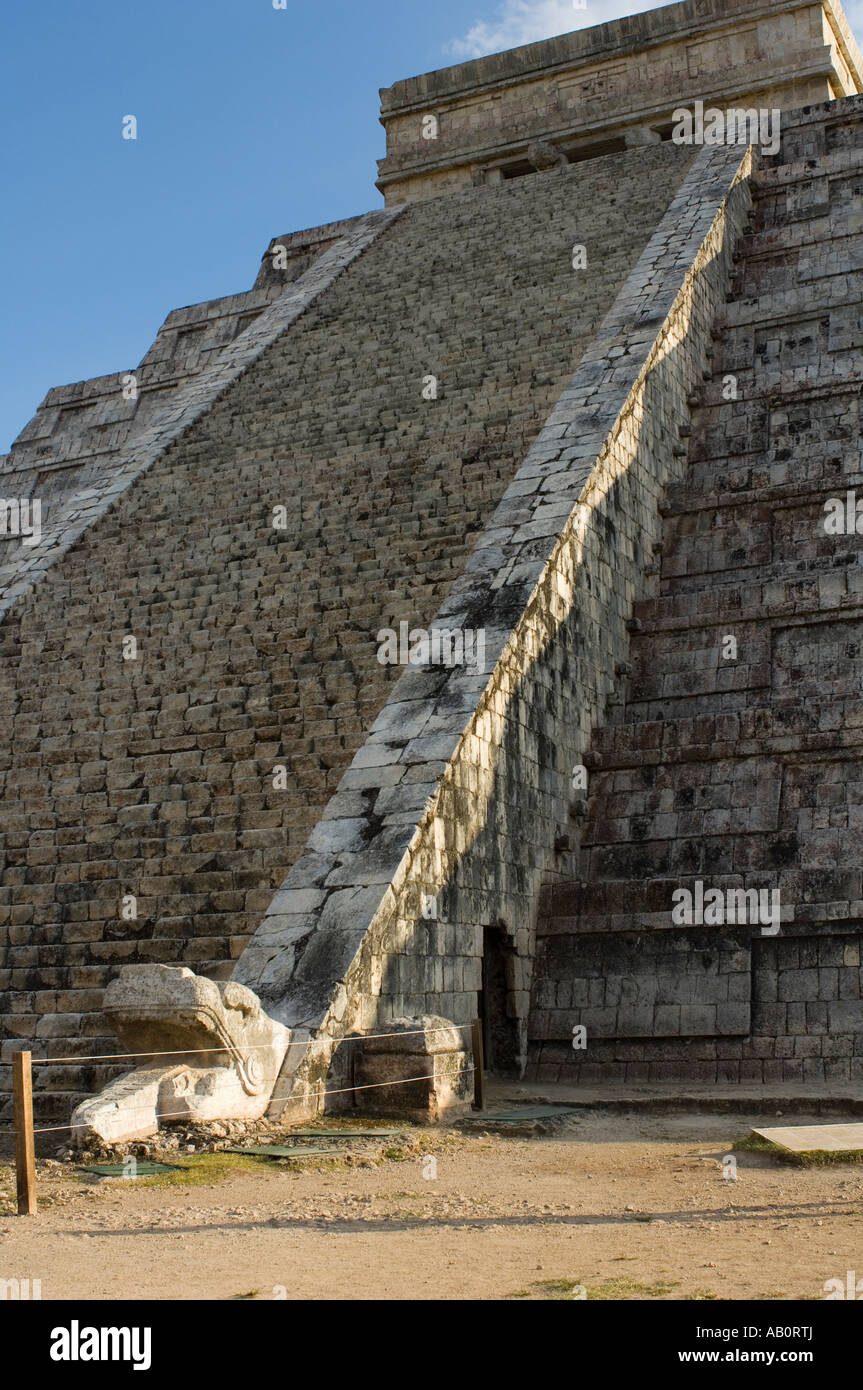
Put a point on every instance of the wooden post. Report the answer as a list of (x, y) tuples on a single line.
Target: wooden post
[(478, 1063), (25, 1154)]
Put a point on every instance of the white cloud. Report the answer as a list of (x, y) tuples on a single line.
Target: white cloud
[(854, 14), (525, 21)]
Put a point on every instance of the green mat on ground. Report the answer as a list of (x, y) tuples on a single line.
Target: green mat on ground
[(526, 1112), (144, 1168), (278, 1151)]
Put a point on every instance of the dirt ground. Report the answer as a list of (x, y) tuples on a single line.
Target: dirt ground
[(627, 1206)]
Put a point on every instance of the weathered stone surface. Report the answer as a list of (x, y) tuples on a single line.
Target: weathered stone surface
[(423, 1072), (90, 441), (610, 86), (391, 399), (257, 648), (485, 840), (225, 1054), (422, 1037), (742, 772)]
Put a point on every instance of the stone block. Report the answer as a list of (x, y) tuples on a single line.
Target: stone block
[(423, 1072)]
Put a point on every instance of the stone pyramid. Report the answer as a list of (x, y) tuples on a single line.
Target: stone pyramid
[(406, 637)]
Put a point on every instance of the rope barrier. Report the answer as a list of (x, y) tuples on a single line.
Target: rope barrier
[(253, 1047), (314, 1096), (25, 1134)]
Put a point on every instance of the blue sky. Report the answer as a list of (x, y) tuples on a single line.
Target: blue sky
[(252, 122)]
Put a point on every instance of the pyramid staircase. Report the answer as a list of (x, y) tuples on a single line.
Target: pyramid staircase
[(736, 763)]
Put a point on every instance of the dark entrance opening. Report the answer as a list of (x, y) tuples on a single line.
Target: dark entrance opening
[(499, 1029)]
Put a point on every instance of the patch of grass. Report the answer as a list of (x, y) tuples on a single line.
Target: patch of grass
[(811, 1158), (755, 1144), (629, 1288), (209, 1169), (557, 1288), (609, 1289), (199, 1171), (823, 1158)]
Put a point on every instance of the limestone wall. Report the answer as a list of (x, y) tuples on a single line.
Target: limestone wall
[(463, 786), (739, 769), (257, 648), (612, 80)]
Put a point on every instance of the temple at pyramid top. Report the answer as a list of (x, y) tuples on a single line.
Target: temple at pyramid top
[(603, 89)]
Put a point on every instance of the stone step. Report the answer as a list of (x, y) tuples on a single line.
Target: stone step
[(804, 474), (806, 470), (805, 418), (771, 663), (257, 647), (783, 542), (812, 134), (825, 193), (778, 275), (645, 901), (794, 295), (655, 734), (740, 772), (818, 591), (770, 178)]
